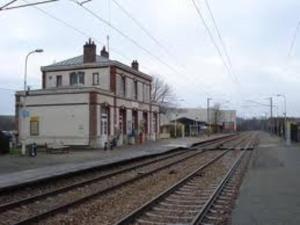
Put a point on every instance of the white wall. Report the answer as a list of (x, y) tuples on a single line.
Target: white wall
[(104, 77), (67, 124)]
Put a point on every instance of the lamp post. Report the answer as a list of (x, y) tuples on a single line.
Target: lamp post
[(24, 113), (285, 118)]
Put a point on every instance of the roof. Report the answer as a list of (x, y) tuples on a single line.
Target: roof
[(187, 120), (78, 60), (77, 63)]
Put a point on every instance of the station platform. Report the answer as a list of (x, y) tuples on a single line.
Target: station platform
[(17, 170), (270, 193)]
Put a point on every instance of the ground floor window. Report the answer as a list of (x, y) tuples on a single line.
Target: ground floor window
[(154, 122), (145, 120), (34, 127), (105, 120), (122, 121)]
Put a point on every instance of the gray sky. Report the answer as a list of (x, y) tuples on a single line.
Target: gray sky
[(257, 34)]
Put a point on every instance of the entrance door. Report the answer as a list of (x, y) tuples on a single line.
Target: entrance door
[(135, 122), (122, 124), (104, 124), (145, 120)]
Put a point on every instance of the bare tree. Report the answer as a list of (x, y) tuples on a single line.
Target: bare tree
[(162, 94)]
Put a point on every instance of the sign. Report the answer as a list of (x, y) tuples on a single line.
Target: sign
[(135, 104), (25, 113), (34, 119)]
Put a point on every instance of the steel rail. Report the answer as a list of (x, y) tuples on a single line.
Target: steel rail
[(132, 216), (16, 203), (204, 143), (73, 203), (202, 213), (147, 206), (209, 203)]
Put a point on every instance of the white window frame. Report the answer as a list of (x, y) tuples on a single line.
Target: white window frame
[(78, 75), (96, 78)]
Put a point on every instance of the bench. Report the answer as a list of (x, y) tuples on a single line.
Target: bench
[(57, 148)]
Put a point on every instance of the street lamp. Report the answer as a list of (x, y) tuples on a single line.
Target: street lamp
[(23, 114), (285, 117)]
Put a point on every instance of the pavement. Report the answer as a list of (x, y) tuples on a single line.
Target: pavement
[(16, 169), (270, 193)]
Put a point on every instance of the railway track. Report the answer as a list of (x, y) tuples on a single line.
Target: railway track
[(34, 207), (202, 197)]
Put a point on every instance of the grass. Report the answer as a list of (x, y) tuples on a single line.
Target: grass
[(15, 151)]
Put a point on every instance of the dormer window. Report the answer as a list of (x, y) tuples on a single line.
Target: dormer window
[(76, 78)]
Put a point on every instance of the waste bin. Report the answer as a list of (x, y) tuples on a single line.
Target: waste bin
[(33, 150)]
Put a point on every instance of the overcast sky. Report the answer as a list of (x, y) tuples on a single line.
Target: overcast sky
[(257, 34)]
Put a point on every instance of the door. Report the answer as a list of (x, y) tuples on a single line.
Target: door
[(122, 124), (104, 124)]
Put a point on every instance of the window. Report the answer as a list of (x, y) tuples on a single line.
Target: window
[(34, 127), (76, 78), (96, 79), (135, 89), (123, 85), (58, 81)]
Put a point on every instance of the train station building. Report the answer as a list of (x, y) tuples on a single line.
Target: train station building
[(89, 100)]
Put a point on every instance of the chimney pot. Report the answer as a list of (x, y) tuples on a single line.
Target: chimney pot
[(104, 53), (89, 52), (135, 65)]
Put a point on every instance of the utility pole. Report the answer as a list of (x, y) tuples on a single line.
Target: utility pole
[(285, 120), (208, 117), (271, 114)]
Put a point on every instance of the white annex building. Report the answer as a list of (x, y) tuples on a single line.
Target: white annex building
[(87, 101)]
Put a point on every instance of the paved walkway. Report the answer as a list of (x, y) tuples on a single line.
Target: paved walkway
[(21, 169), (270, 193)]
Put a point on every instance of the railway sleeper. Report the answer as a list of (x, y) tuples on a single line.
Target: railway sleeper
[(192, 207), (174, 210), (172, 217)]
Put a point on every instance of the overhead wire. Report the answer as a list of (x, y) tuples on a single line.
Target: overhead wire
[(293, 41), (26, 5), (219, 35), (143, 28), (214, 41), (7, 4), (126, 36), (76, 29)]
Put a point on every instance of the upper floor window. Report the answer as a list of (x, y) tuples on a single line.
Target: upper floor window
[(123, 85), (96, 80), (76, 78), (135, 89), (58, 80)]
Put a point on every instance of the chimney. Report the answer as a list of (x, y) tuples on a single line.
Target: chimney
[(104, 53), (135, 65), (89, 52)]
